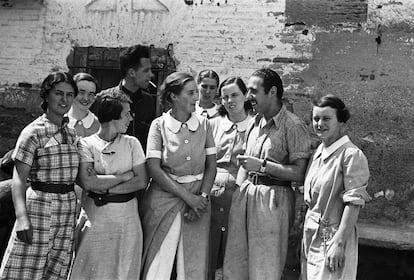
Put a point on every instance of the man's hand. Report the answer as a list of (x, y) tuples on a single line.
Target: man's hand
[(249, 163)]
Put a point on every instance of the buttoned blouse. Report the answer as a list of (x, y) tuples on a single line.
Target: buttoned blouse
[(112, 157), (182, 147), (284, 138), (336, 175), (50, 150), (229, 138)]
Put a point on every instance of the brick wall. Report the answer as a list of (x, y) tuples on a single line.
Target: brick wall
[(318, 47)]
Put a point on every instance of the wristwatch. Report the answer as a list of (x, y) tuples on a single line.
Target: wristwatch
[(206, 196), (263, 166)]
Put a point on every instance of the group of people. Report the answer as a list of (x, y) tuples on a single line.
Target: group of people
[(212, 189)]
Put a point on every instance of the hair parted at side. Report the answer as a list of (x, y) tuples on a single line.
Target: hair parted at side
[(330, 100), (108, 104), (86, 77), (173, 84), (131, 57), (209, 74), (270, 78), (53, 79), (242, 86)]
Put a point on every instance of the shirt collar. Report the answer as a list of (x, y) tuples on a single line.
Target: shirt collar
[(174, 125), (325, 152), (241, 126), (277, 119), (210, 111), (86, 121)]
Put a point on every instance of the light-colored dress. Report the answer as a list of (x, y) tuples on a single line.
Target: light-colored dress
[(182, 148), (229, 138), (261, 215), (337, 175), (112, 246)]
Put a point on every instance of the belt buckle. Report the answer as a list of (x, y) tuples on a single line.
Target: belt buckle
[(255, 178)]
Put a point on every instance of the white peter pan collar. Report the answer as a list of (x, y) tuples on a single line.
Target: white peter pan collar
[(174, 125), (210, 111), (227, 124), (86, 121)]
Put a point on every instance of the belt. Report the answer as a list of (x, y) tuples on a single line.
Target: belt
[(52, 188), (101, 199), (187, 178), (262, 179)]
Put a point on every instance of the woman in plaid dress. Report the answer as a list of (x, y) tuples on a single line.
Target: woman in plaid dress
[(46, 157)]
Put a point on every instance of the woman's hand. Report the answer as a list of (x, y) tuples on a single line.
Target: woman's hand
[(24, 229), (335, 256), (190, 215), (197, 203)]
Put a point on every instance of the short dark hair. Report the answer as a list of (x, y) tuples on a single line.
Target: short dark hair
[(108, 104), (86, 77), (50, 81), (270, 78), (131, 57), (174, 83), (242, 86), (209, 74), (330, 100)]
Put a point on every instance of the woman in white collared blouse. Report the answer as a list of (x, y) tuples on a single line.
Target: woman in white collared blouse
[(229, 134), (181, 159), (80, 117), (334, 191)]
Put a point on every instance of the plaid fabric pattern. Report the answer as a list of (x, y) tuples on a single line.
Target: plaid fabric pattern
[(42, 146), (53, 220)]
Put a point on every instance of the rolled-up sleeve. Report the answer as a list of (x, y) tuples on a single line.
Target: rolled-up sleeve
[(356, 175), (298, 142)]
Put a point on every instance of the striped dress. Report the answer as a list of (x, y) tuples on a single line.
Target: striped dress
[(51, 152)]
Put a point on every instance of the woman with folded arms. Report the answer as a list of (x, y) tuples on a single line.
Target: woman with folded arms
[(181, 159), (112, 169), (46, 156)]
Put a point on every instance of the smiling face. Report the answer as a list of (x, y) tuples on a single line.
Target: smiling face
[(86, 95), (232, 99), (59, 100), (186, 100), (208, 90), (121, 125), (260, 101), (326, 124)]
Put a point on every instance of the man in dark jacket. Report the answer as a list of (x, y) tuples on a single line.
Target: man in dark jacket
[(135, 68)]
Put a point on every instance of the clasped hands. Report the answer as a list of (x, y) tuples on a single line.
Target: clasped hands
[(196, 206)]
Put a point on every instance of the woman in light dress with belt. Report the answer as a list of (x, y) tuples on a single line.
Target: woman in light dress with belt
[(181, 159)]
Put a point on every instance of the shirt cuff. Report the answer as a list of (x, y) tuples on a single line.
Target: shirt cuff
[(356, 196), (153, 154), (211, 151)]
